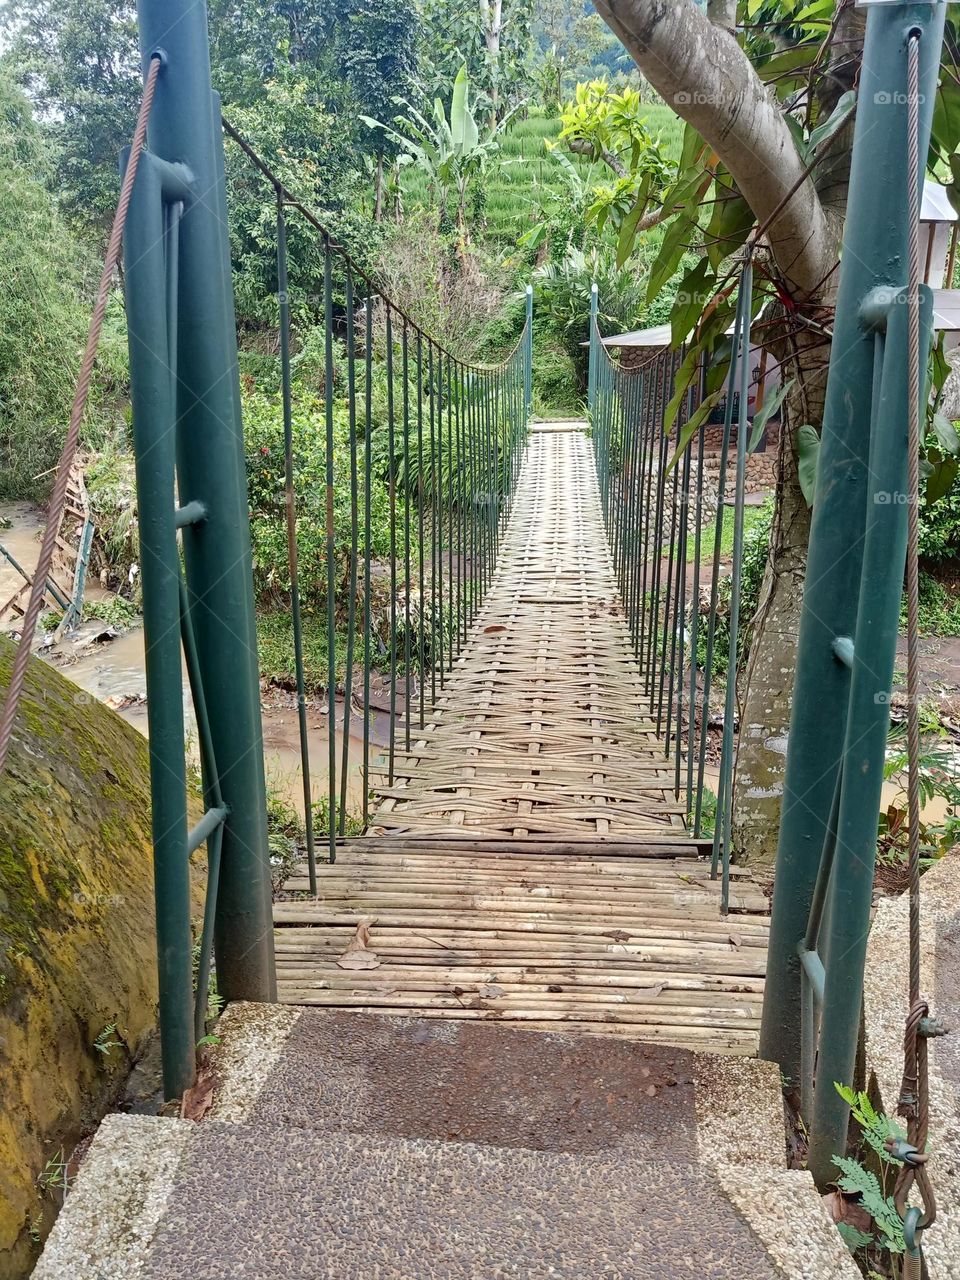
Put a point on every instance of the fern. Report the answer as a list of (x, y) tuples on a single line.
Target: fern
[(853, 1237), (856, 1180), (877, 1129)]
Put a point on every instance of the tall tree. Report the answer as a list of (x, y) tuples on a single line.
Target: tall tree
[(79, 61), (767, 142), (41, 305), (492, 37)]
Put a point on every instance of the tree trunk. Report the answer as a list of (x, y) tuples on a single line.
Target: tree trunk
[(378, 189), (491, 13), (768, 680), (769, 677)]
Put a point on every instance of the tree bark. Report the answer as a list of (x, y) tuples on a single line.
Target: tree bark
[(378, 189), (704, 75), (491, 17), (708, 80)]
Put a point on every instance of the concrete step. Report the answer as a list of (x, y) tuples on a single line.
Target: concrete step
[(351, 1145), (164, 1199), (491, 1083)]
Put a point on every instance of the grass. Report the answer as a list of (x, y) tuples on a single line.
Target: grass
[(524, 173), (752, 516), (275, 642)]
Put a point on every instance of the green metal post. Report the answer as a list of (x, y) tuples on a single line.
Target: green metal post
[(874, 254), (871, 678), (185, 127), (154, 433)]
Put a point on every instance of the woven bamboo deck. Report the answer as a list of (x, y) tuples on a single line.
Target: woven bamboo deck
[(544, 729), (530, 862)]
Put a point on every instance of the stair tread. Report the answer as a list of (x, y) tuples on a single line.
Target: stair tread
[(456, 1081), (242, 1204)]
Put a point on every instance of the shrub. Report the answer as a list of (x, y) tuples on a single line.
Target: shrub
[(562, 296), (756, 545), (940, 529), (41, 307), (263, 429)]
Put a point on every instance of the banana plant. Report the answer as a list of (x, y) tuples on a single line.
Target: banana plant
[(449, 149)]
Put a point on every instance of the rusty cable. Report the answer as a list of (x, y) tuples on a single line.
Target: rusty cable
[(65, 465), (913, 1104)]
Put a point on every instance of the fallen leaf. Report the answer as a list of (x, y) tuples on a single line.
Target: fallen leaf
[(358, 954), (494, 630), (842, 1209), (196, 1102)]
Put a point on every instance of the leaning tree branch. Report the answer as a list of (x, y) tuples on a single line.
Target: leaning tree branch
[(708, 80)]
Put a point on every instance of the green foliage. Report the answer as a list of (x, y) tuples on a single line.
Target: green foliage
[(754, 518), (284, 834), (263, 425), (939, 608), (611, 126), (556, 391), (41, 307), (112, 494), (574, 44), (940, 529), (873, 1193), (449, 147), (107, 1041), (708, 812), (80, 61), (275, 646), (453, 35), (306, 145), (562, 296), (937, 781), (756, 545)]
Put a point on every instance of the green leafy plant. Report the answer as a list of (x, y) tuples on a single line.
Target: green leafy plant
[(106, 1041), (53, 1176), (605, 124), (449, 148), (937, 780), (873, 1191), (562, 292), (756, 545)]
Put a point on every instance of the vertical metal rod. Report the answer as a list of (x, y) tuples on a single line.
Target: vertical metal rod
[(407, 498), (154, 434), (330, 551), (438, 646), (715, 570), (392, 450), (185, 128), (290, 502), (875, 235), (354, 548), (367, 548), (725, 802), (434, 541)]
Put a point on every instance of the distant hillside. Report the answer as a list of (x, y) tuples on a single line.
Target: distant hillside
[(521, 177)]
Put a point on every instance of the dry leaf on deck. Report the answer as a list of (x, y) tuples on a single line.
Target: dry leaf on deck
[(358, 954)]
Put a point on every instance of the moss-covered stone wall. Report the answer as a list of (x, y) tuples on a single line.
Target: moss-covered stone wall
[(76, 937)]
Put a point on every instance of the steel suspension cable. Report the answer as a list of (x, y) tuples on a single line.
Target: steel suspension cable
[(914, 1091), (59, 495)]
